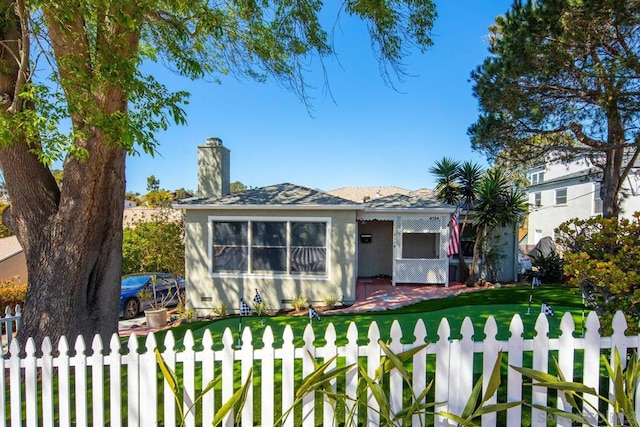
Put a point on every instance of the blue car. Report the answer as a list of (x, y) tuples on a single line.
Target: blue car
[(166, 290)]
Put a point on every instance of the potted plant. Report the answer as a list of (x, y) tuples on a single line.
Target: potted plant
[(157, 313)]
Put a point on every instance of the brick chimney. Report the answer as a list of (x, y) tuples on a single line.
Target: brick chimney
[(213, 169)]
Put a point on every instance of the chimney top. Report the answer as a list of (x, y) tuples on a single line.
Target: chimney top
[(214, 141)]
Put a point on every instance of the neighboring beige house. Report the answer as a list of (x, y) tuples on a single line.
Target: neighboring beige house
[(287, 240), (12, 260)]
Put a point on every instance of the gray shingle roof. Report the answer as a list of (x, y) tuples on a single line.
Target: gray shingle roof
[(296, 196), (274, 195)]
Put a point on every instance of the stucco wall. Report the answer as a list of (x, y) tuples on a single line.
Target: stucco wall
[(206, 291)]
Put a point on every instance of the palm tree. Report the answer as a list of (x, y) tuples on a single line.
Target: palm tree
[(447, 172), (457, 184), (498, 204)]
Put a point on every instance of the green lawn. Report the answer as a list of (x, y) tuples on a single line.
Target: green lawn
[(501, 303)]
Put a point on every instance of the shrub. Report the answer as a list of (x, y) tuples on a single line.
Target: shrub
[(299, 302), (550, 268), (330, 301), (220, 310), (602, 257), (12, 293)]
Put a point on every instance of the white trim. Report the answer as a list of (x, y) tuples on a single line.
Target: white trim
[(287, 220)]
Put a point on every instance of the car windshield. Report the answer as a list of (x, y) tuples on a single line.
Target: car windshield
[(134, 281)]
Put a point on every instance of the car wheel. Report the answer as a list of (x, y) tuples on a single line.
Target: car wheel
[(131, 308)]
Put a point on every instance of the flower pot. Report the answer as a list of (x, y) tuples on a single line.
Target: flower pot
[(156, 318)]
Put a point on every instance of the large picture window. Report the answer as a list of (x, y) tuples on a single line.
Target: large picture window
[(269, 247)]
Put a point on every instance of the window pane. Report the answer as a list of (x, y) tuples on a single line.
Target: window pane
[(308, 260), (308, 234), (561, 196), (230, 233), (269, 234), (230, 258), (420, 245), (269, 259)]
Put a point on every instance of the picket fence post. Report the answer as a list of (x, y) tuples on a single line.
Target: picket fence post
[(149, 383), (96, 361), (288, 373), (373, 361), (419, 378), (351, 379), (591, 376), (208, 374), (443, 360), (228, 359), (308, 357), (246, 360), (115, 382), (491, 349), (329, 350), (566, 356), (267, 378), (189, 380)]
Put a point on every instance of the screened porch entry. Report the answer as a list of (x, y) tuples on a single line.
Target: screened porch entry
[(405, 249)]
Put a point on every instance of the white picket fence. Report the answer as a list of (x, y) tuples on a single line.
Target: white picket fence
[(88, 386)]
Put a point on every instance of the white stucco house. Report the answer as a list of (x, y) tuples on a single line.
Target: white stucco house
[(288, 240), (560, 191)]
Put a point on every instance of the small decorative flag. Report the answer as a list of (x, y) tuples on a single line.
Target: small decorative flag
[(454, 234), (547, 310), (313, 313), (245, 310), (536, 281), (257, 299)]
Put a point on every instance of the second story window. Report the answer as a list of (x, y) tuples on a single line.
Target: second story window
[(537, 199), (536, 177), (561, 196)]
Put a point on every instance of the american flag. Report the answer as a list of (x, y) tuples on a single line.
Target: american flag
[(454, 234), (547, 310), (245, 310), (313, 313), (257, 299)]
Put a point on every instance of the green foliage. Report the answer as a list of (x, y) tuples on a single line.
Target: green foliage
[(156, 245), (621, 397), (153, 184), (158, 198), (220, 310), (260, 308), (237, 187), (4, 230), (236, 402), (550, 268), (331, 301), (299, 302), (12, 293), (477, 406), (561, 80), (498, 204), (602, 257)]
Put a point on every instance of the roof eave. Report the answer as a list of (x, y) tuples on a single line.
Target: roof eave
[(210, 206)]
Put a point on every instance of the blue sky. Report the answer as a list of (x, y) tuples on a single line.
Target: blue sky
[(367, 135)]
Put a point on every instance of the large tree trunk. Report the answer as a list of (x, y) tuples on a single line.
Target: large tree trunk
[(71, 236), (75, 263)]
